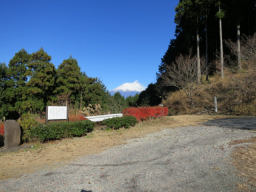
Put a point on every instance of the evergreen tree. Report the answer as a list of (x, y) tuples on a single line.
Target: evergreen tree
[(188, 12), (150, 96), (119, 101), (18, 67), (132, 100), (220, 15), (68, 80), (95, 93), (42, 80), (83, 89), (18, 76), (194, 13), (3, 86)]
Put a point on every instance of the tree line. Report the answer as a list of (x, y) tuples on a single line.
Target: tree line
[(30, 82), (200, 48)]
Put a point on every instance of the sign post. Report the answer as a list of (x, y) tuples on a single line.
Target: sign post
[(56, 113), (215, 105)]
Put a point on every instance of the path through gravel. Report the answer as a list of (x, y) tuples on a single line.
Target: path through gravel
[(181, 159)]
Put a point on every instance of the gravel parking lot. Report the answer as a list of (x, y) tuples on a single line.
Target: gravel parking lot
[(194, 158)]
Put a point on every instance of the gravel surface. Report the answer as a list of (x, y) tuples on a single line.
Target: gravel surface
[(181, 159)]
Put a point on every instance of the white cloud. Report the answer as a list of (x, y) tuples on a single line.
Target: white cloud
[(133, 86)]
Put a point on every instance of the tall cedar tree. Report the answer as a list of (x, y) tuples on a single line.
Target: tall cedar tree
[(189, 9), (241, 12), (220, 14)]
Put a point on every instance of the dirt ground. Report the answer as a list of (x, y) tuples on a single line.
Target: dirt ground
[(35, 156), (244, 158)]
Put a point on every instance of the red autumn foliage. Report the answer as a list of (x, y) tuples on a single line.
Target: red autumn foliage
[(142, 113), (76, 117), (2, 129)]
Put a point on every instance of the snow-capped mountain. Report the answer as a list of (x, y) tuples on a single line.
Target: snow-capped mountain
[(129, 89)]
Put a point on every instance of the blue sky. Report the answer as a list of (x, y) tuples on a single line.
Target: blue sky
[(117, 41)]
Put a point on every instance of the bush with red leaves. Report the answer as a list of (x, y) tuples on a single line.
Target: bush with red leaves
[(142, 113), (2, 129), (76, 117)]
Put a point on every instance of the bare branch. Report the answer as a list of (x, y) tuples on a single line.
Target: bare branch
[(248, 47), (181, 72)]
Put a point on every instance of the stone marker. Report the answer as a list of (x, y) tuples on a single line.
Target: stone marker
[(12, 133)]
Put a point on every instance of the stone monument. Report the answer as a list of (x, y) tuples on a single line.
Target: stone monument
[(12, 133)]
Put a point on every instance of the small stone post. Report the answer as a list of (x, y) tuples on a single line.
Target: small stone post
[(12, 133)]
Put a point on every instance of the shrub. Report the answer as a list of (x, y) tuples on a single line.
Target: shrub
[(1, 128), (119, 122), (76, 117), (27, 123), (59, 130), (142, 113)]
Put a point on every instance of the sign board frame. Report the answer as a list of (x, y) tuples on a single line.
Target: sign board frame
[(52, 110)]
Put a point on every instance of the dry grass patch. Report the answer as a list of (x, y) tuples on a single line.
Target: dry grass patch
[(236, 96), (244, 159), (57, 153)]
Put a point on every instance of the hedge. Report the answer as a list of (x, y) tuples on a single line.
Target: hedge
[(119, 122), (142, 113), (59, 130)]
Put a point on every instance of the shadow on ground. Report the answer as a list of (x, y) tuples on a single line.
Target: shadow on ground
[(85, 191), (246, 123)]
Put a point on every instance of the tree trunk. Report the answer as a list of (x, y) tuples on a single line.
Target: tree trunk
[(81, 100), (206, 50), (66, 101), (221, 49), (238, 47), (198, 58)]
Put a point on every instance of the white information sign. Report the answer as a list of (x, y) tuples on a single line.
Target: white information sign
[(57, 113)]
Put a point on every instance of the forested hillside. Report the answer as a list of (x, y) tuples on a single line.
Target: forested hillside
[(211, 36), (30, 82)]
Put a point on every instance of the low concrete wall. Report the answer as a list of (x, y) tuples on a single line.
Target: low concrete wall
[(103, 117)]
